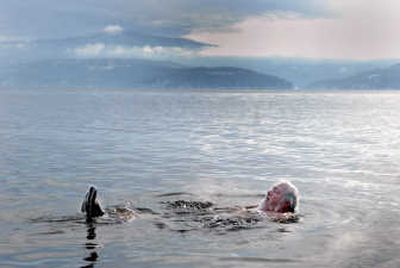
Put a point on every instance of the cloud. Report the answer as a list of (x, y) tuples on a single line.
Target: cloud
[(354, 29), (101, 50), (361, 30), (12, 42), (4, 38), (12, 39), (113, 29), (53, 19), (183, 16), (90, 50)]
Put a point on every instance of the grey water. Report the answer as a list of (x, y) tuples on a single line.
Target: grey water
[(148, 147)]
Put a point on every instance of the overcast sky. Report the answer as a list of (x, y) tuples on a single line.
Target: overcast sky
[(329, 29)]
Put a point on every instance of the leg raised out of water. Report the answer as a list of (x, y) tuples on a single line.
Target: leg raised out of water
[(91, 206)]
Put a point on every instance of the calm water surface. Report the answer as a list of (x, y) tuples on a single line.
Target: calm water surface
[(342, 150)]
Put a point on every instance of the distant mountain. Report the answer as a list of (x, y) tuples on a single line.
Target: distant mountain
[(41, 49), (384, 78), (127, 38), (301, 72), (131, 73), (126, 44)]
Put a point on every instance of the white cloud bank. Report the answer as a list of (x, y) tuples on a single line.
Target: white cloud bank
[(113, 29), (101, 50), (360, 29), (12, 42), (8, 39)]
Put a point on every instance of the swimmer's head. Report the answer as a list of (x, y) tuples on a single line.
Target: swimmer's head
[(282, 197)]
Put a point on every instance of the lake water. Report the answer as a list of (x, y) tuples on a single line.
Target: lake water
[(342, 150)]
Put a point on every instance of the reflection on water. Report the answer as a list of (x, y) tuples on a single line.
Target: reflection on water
[(340, 149), (91, 246)]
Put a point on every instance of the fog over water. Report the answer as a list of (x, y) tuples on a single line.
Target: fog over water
[(147, 147)]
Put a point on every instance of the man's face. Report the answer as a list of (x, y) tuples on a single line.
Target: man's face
[(282, 198), (274, 197)]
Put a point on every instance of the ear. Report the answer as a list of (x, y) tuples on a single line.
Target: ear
[(291, 199), (283, 207)]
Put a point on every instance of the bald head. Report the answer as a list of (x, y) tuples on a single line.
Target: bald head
[(282, 197)]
